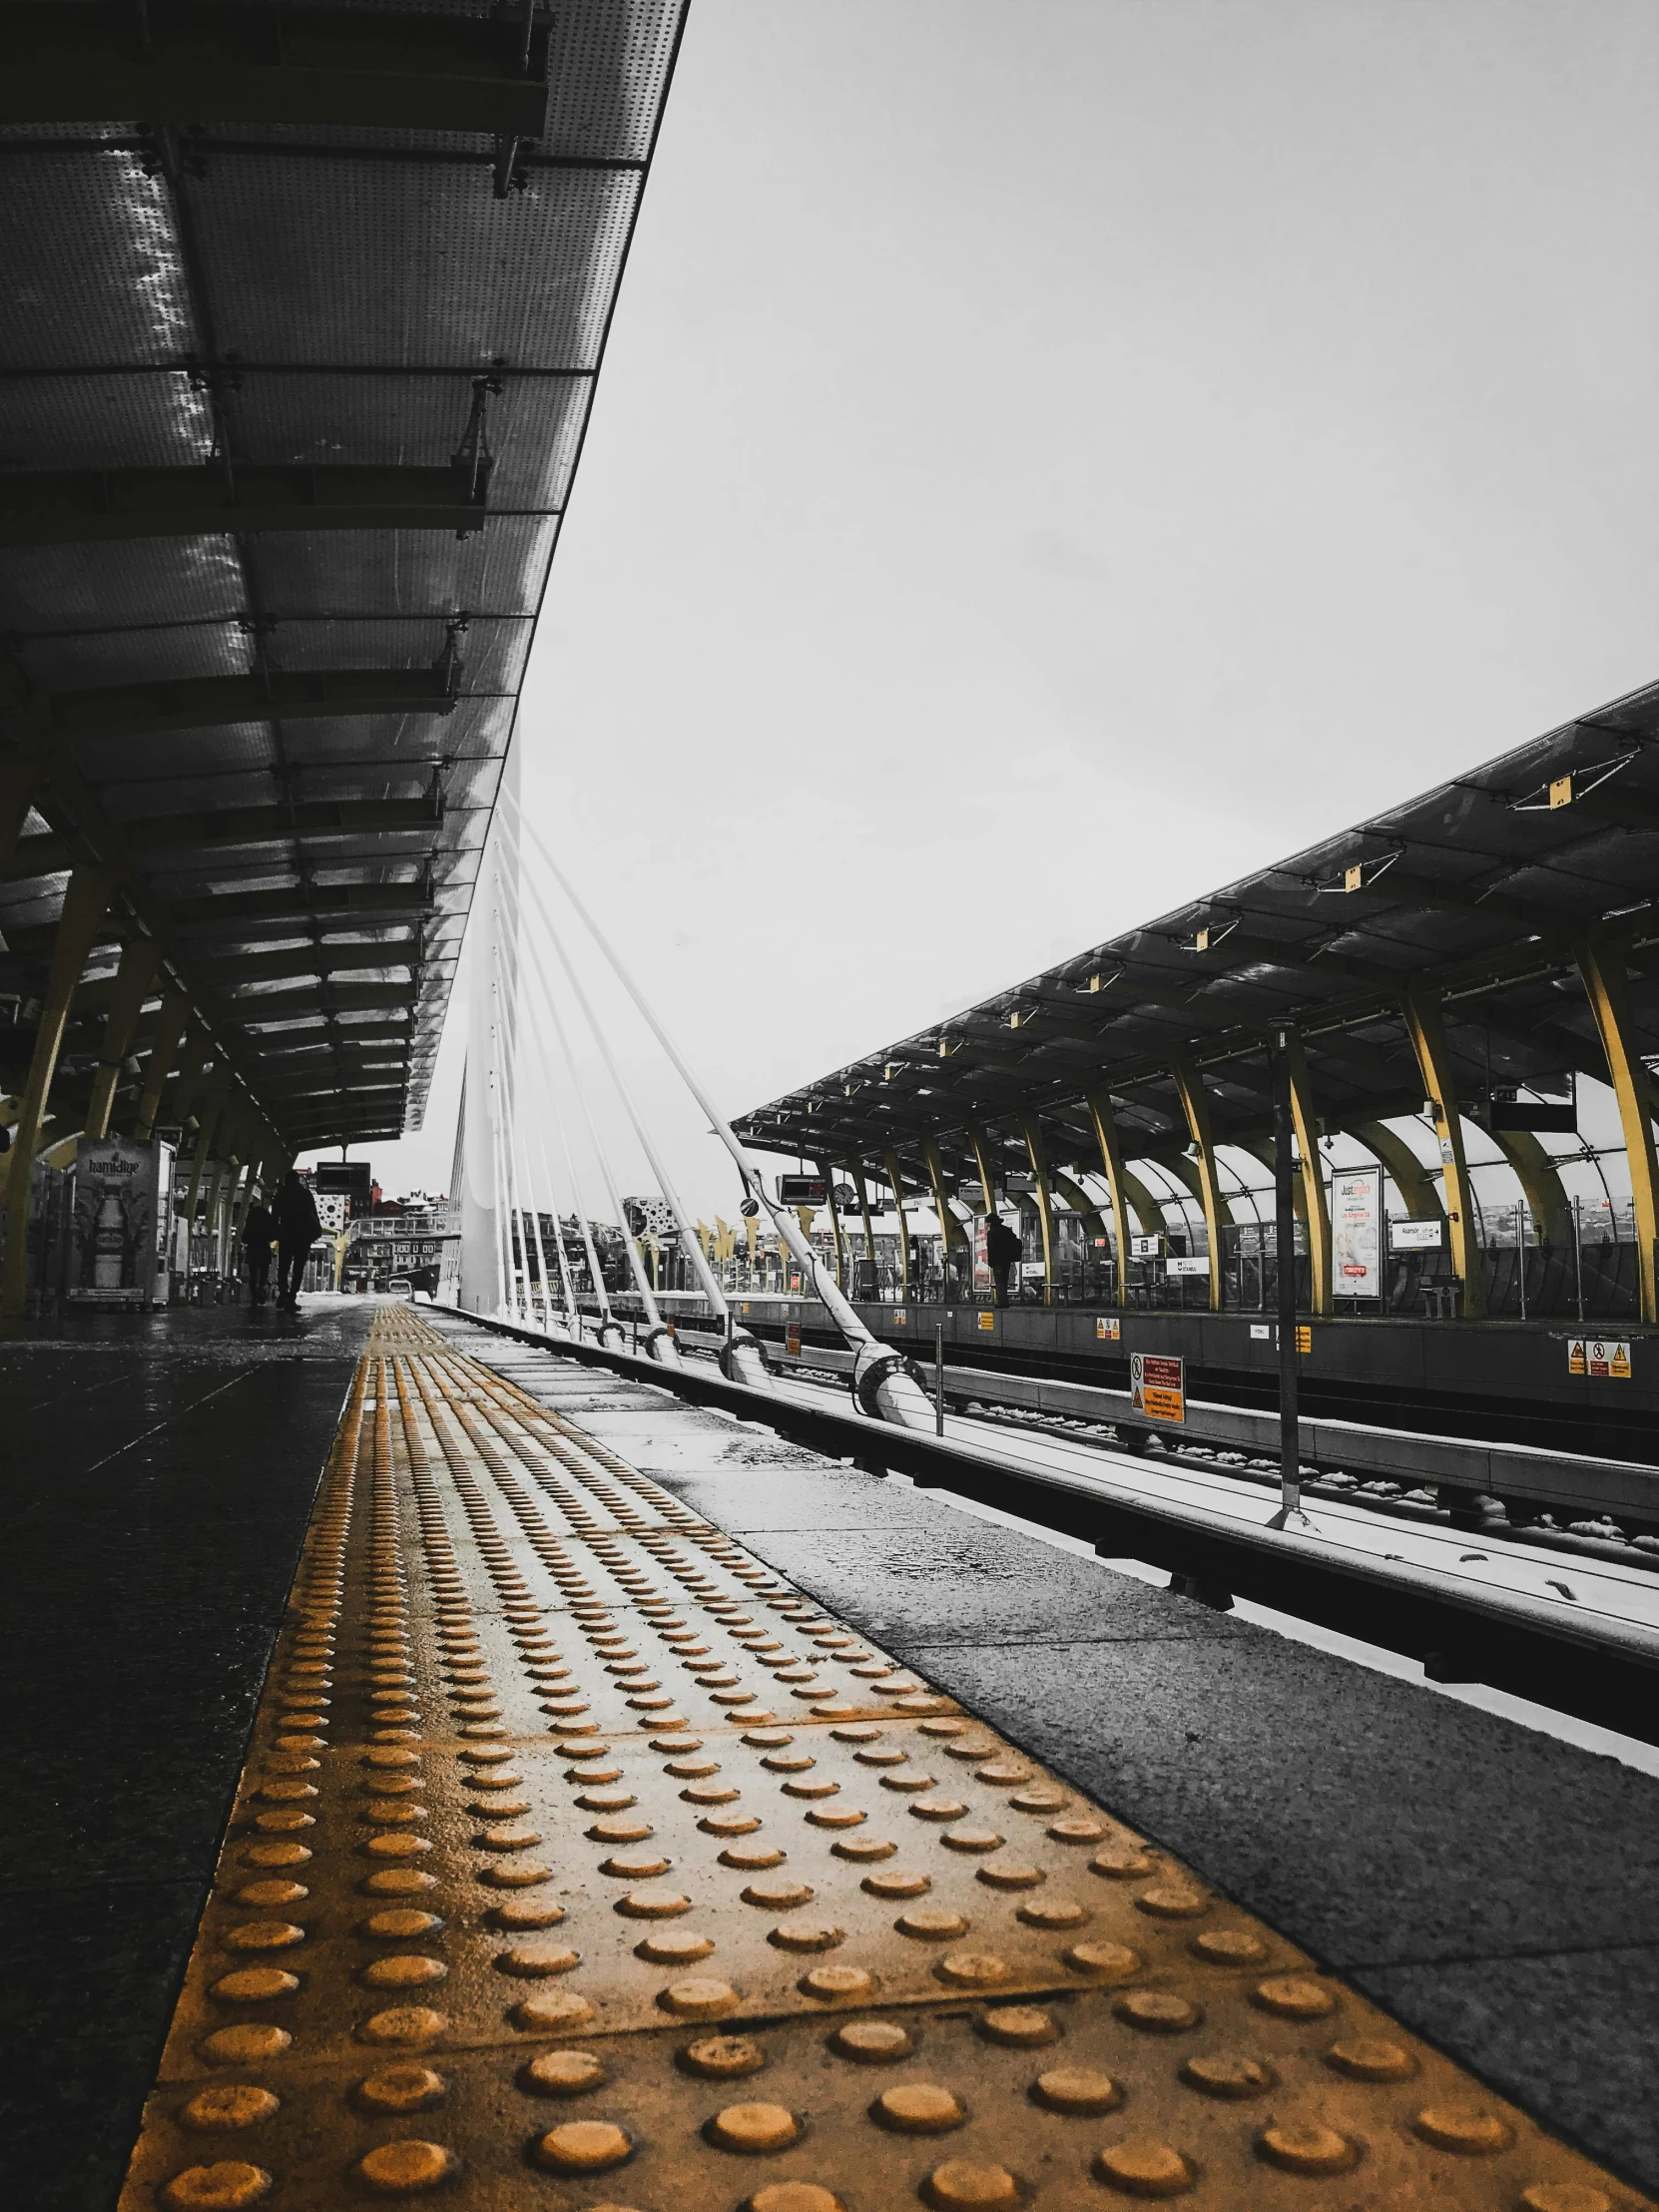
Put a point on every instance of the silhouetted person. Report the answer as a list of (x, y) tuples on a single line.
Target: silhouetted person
[(297, 1227), (1003, 1249), (259, 1232)]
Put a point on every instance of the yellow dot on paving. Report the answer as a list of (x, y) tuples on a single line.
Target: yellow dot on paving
[(920, 2108), (931, 1924), (863, 1851), (700, 1997), (530, 1960), (401, 2089), (410, 1970), (1008, 1873), (1565, 2196), (254, 1985), (1307, 2147), (639, 1865), (1144, 2167), (970, 1839), (1122, 1863), (524, 1873), (1468, 2128), (652, 1905), (399, 1881), (1228, 2074), (400, 2169), (872, 2043), (403, 2023), (723, 2058), (401, 1924), (263, 1935), (1019, 2026), (276, 1855), (675, 1947), (972, 1969), (244, 2046), (1080, 2089), (1052, 1913), (1293, 1998), (806, 1936), (754, 2128), (837, 1983), (899, 1883), (1229, 1947), (937, 1809), (236, 2105), (563, 2073), (223, 2187), (1158, 2011), (1104, 1961), (1077, 1830), (786, 2196), (270, 1894), (1169, 1901), (969, 2185), (1370, 2058), (584, 2147)]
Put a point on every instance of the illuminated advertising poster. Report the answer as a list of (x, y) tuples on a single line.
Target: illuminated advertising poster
[(112, 1258), (1356, 1232), (981, 1258)]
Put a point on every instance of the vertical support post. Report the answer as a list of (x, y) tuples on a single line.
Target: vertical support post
[(938, 1379), (1031, 1130), (824, 1169), (207, 1123), (951, 1233), (1428, 1034), (1111, 1160), (890, 1167), (164, 1041), (1195, 1107), (84, 906), (1284, 1214), (869, 1226), (1315, 1207), (140, 957), (1607, 987)]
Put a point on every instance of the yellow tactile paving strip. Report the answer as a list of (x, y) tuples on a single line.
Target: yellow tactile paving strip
[(580, 1863)]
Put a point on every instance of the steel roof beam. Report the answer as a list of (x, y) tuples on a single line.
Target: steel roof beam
[(45, 855), (186, 61), (307, 959), (84, 506), (345, 998), (319, 901), (205, 703)]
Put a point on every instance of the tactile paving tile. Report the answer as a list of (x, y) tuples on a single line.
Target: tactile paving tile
[(581, 1863)]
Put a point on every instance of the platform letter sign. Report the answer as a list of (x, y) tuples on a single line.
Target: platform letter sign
[(792, 1339), (1157, 1386), (1606, 1356), (1356, 1232)]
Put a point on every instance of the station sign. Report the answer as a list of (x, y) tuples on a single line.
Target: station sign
[(1416, 1236), (1107, 1329), (1145, 1248), (1604, 1358), (792, 1339), (1187, 1263), (1158, 1386)]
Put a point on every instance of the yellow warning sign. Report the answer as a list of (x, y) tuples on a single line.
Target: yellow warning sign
[(1108, 1331), (1304, 1337), (987, 1321), (1157, 1386), (792, 1339), (1606, 1357)]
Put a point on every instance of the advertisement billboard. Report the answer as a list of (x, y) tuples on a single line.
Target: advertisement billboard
[(113, 1245), (1356, 1232)]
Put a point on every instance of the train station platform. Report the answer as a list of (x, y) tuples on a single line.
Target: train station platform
[(646, 1812)]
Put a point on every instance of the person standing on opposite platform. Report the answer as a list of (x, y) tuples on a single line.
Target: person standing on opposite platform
[(1003, 1249), (298, 1225), (258, 1234)]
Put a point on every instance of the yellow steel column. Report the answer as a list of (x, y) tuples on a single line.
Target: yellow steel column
[(168, 1036), (1316, 1209), (1195, 1107), (1607, 986), (889, 1165), (862, 1190), (987, 1173), (1439, 1087), (1541, 1186), (1414, 1182), (1031, 1131), (825, 1168), (1111, 1160), (84, 906), (951, 1231), (139, 959)]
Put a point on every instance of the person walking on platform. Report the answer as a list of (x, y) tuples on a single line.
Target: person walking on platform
[(1003, 1249), (298, 1225), (258, 1234)]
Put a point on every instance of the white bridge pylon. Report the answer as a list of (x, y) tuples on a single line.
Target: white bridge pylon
[(522, 1076)]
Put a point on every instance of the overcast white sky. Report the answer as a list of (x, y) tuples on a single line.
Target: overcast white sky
[(1054, 460)]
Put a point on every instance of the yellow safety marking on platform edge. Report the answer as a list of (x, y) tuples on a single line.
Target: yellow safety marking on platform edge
[(580, 1862)]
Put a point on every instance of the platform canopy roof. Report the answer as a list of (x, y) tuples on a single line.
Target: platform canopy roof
[(303, 310), (1477, 895)]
